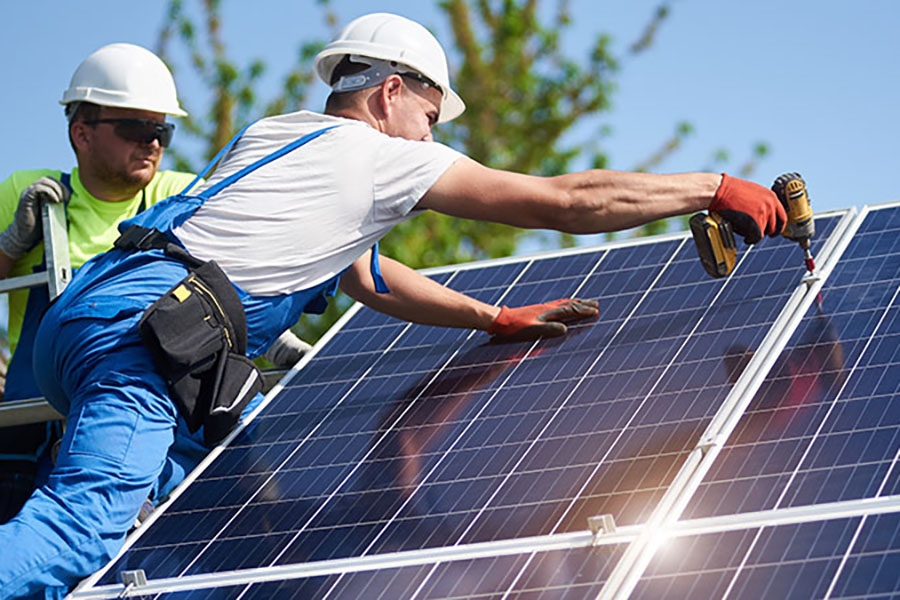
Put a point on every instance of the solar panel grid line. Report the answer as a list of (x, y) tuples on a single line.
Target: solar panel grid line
[(462, 433)]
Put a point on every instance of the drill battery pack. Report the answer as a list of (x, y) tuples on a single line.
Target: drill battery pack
[(714, 239)]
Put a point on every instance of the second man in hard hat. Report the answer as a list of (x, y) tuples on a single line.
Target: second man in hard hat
[(116, 108)]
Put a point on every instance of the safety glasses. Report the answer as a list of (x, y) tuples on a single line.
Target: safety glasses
[(142, 131), (422, 79)]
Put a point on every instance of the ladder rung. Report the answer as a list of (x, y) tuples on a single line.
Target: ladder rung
[(38, 410), (23, 412)]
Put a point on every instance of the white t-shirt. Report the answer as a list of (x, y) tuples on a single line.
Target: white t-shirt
[(308, 215)]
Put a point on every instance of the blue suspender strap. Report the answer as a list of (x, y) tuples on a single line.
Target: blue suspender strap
[(212, 190), (66, 180), (215, 159), (375, 268)]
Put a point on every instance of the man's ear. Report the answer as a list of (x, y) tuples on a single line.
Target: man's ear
[(79, 134), (391, 89)]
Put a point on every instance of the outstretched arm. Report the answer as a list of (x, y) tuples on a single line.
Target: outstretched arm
[(597, 200), (414, 297)]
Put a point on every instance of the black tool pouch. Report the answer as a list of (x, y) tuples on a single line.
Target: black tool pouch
[(197, 334)]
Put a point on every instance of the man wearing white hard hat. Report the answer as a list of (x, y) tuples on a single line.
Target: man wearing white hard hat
[(116, 107), (295, 209)]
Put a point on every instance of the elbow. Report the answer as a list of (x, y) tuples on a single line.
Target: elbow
[(566, 214)]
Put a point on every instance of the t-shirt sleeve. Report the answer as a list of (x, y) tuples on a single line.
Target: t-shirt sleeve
[(405, 170)]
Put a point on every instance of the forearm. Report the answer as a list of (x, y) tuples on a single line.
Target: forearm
[(416, 298), (600, 201), (593, 201)]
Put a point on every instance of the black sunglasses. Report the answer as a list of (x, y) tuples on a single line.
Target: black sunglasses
[(143, 131)]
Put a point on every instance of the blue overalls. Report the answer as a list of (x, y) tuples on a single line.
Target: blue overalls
[(93, 367)]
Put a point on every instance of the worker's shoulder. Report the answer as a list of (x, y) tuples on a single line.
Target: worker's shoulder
[(168, 183), (288, 126), (25, 177), (12, 186)]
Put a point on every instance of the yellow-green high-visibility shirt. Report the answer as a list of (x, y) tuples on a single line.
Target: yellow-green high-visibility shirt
[(92, 224)]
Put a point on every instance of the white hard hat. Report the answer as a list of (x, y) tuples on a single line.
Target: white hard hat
[(393, 38), (124, 76)]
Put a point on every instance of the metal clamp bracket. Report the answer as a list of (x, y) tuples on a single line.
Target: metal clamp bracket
[(131, 580), (601, 525)]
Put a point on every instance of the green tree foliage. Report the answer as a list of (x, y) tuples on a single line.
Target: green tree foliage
[(233, 101)]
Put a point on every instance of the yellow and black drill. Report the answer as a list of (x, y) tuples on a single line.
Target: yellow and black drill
[(714, 236), (791, 190)]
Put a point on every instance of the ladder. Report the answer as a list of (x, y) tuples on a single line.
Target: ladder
[(56, 277)]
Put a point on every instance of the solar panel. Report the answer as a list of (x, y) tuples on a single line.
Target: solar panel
[(823, 430), (842, 558), (460, 465)]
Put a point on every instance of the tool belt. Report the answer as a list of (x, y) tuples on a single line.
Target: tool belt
[(197, 335)]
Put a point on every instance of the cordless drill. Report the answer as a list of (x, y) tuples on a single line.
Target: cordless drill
[(714, 236), (791, 190)]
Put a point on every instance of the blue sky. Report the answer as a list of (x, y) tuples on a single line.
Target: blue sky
[(818, 82)]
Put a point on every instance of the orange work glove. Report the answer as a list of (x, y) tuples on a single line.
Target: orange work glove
[(540, 320), (750, 208)]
